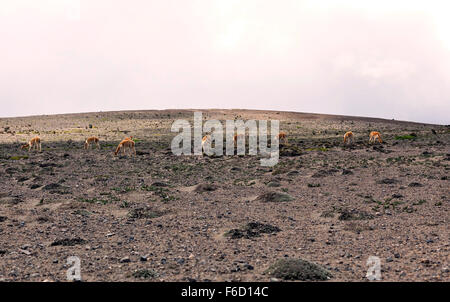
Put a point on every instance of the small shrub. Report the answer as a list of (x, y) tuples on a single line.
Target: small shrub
[(145, 274), (298, 269), (406, 137), (18, 157), (313, 185)]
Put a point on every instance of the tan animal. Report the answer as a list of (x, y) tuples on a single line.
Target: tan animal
[(282, 136), (236, 137), (126, 143), (205, 139), (348, 137), (375, 135), (33, 143), (91, 140)]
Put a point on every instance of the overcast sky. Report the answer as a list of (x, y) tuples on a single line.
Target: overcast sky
[(381, 58)]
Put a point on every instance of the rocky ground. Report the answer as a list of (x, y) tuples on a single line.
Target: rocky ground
[(161, 217)]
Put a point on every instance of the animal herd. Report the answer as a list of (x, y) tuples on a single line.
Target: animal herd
[(373, 137), (128, 143)]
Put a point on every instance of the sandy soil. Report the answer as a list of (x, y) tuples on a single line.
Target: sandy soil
[(160, 217)]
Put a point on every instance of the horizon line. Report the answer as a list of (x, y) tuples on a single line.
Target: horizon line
[(230, 109)]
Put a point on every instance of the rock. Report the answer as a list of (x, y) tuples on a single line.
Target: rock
[(378, 148), (426, 262), (22, 179), (354, 215), (324, 173), (56, 188), (205, 188), (273, 184), (139, 152), (387, 181), (293, 173), (252, 229), (346, 172), (145, 212), (25, 252), (145, 274), (274, 197), (46, 165), (25, 246), (125, 260), (68, 242)]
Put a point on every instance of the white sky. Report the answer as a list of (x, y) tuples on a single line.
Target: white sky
[(381, 58)]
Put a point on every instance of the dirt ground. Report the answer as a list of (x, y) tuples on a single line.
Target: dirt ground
[(161, 217)]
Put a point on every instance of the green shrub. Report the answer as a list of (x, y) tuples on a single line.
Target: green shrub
[(18, 157), (407, 136)]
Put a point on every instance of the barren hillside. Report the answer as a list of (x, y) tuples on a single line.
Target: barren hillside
[(161, 217)]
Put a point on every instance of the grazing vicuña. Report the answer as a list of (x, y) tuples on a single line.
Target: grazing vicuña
[(33, 143), (348, 137), (126, 144), (375, 135)]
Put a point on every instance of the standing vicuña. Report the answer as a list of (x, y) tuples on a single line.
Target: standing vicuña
[(33, 143), (91, 140)]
